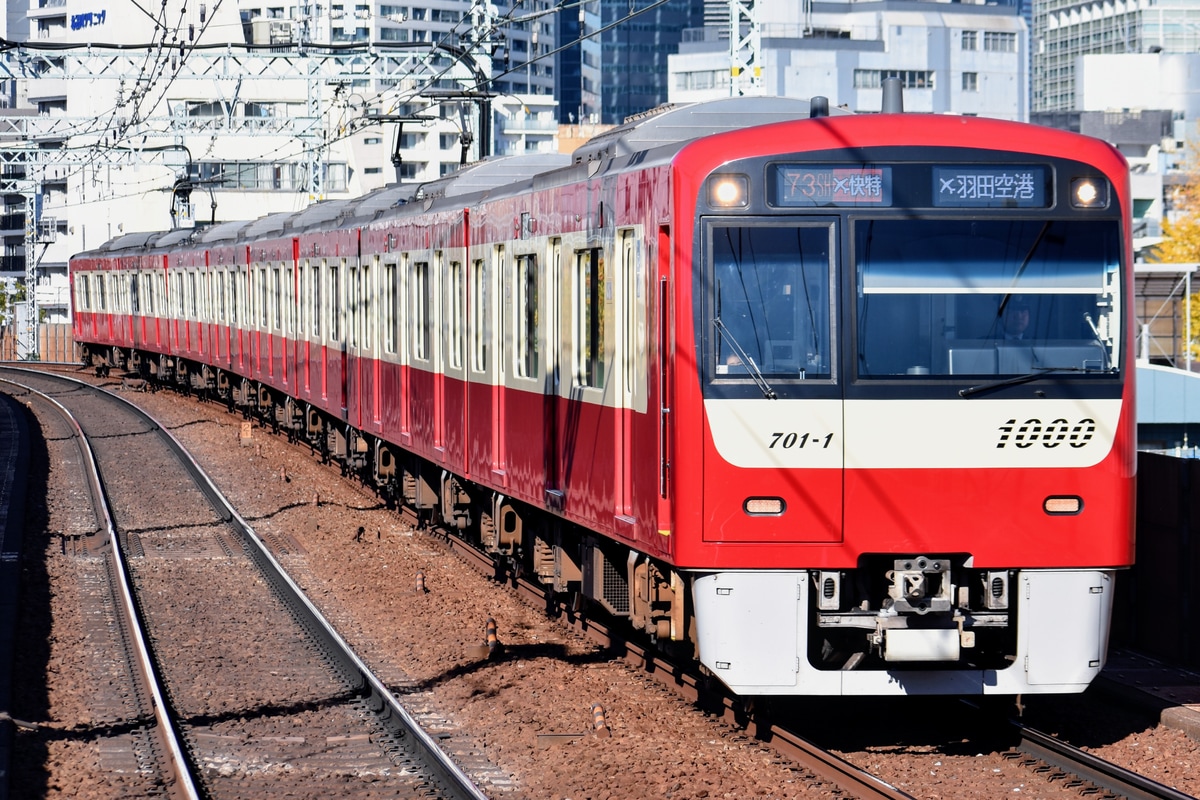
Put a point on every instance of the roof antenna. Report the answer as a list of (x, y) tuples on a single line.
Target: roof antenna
[(893, 96), (818, 107)]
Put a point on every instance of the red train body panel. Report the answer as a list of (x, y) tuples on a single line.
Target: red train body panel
[(752, 387)]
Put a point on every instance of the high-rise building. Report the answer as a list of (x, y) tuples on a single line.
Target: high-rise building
[(1064, 30), (959, 58), (195, 126), (633, 69)]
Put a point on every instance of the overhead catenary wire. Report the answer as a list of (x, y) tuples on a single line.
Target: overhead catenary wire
[(157, 72)]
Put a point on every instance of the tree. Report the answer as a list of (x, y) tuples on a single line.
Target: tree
[(1181, 233), (9, 299)]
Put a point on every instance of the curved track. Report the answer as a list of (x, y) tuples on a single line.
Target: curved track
[(246, 659)]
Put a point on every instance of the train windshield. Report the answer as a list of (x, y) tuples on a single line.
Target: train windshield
[(941, 297), (771, 301)]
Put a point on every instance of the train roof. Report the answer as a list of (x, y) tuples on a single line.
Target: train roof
[(679, 124), (664, 130)]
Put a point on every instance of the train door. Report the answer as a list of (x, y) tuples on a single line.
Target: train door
[(311, 347), (628, 357), (221, 295), (371, 341), (481, 355), (133, 278), (772, 395), (454, 396), (338, 357), (501, 310), (663, 359), (551, 398), (108, 303), (238, 318), (353, 346), (437, 280)]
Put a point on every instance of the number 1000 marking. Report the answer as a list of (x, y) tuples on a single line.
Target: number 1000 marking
[(1047, 434), (790, 441)]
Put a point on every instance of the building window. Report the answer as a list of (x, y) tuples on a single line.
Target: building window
[(970, 40), (910, 78), (970, 82), (1000, 42)]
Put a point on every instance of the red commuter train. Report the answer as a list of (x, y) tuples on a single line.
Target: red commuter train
[(844, 402)]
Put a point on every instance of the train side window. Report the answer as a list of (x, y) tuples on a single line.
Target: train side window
[(231, 281), (335, 304), (354, 297), (289, 300), (315, 293), (81, 292), (194, 295), (264, 305), (388, 297), (631, 342), (368, 292), (479, 316), (525, 316), (589, 317), (455, 314), (276, 300), (420, 310)]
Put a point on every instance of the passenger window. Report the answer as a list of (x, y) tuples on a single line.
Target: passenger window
[(589, 318), (525, 316)]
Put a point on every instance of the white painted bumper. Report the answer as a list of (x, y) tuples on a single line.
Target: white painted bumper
[(752, 629)]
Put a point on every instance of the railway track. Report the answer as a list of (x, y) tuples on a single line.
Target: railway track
[(1038, 752), (828, 774), (241, 688), (1093, 776)]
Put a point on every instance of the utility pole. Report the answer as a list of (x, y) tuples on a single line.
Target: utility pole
[(413, 68), (745, 49)]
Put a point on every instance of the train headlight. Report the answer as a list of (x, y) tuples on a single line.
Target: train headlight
[(1089, 193), (729, 191), (1060, 505)]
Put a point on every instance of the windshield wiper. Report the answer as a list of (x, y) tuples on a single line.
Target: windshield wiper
[(751, 367), (1037, 374)]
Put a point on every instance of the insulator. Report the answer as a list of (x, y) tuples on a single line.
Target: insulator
[(997, 586), (828, 588)]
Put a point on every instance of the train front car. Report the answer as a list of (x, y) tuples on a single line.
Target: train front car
[(910, 427)]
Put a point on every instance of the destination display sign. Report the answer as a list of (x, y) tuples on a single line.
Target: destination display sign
[(798, 186), (970, 186)]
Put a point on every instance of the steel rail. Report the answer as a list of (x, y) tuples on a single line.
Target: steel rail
[(168, 725), (696, 688), (1101, 773), (453, 783)]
